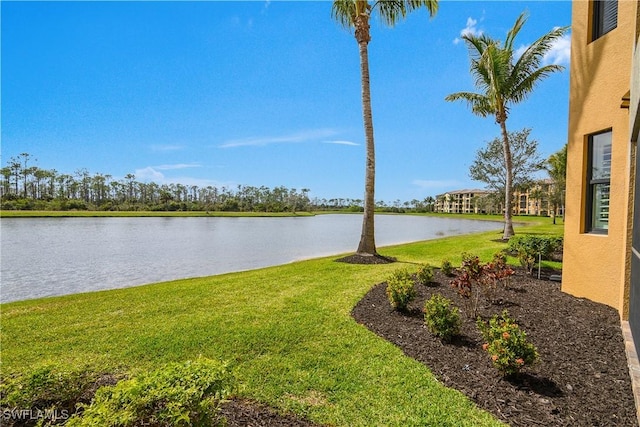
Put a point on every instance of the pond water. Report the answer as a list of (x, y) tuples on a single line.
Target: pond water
[(56, 256)]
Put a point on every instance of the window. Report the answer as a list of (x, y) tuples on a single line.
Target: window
[(599, 182), (605, 17)]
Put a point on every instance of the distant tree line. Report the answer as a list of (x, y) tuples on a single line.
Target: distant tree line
[(25, 186)]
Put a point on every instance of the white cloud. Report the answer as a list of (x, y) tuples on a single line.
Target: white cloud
[(151, 174), (303, 136), (560, 52), (341, 142), (470, 29), (148, 174), (519, 51)]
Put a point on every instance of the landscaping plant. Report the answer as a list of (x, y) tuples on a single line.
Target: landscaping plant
[(179, 394), (46, 387), (400, 289), (425, 274), (495, 275), (447, 268), (441, 317), (528, 249), (507, 344), (477, 279), (467, 283), (501, 269)]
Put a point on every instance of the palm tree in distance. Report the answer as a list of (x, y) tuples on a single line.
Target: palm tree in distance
[(355, 15), (557, 169), (503, 80)]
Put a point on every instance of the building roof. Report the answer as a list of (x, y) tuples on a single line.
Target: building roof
[(466, 191)]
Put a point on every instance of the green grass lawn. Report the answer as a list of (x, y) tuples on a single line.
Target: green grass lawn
[(287, 331)]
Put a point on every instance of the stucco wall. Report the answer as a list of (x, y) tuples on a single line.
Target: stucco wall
[(594, 265)]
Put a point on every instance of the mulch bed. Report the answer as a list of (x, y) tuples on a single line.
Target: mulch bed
[(366, 259), (581, 379), (246, 413)]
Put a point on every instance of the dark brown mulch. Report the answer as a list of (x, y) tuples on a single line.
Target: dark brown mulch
[(582, 378), (366, 259), (245, 413)]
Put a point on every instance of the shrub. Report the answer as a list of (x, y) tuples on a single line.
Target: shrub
[(447, 267), (425, 274), (45, 387), (507, 344), (180, 394), (495, 273), (467, 283), (400, 289), (528, 249), (442, 319), (476, 279)]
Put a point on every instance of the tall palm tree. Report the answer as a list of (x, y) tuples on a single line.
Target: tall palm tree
[(355, 15), (503, 80)]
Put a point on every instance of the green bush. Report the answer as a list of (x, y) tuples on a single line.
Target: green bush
[(507, 344), (447, 267), (441, 317), (400, 289), (180, 394), (45, 387), (425, 274), (528, 248)]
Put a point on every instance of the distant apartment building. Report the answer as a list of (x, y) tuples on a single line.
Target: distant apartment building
[(536, 200), (461, 201)]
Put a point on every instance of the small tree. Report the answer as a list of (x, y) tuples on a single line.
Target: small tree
[(489, 165)]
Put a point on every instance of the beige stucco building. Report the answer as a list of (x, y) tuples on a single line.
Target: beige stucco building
[(460, 201), (601, 156), (536, 200)]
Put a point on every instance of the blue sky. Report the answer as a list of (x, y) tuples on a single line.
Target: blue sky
[(260, 93)]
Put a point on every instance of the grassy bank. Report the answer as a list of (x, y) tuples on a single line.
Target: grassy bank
[(287, 331)]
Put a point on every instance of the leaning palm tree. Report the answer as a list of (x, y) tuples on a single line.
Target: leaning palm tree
[(503, 80), (355, 15)]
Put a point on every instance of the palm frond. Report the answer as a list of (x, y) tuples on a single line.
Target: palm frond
[(430, 5), (344, 12), (513, 32), (477, 44), (392, 11), (480, 104), (525, 86), (497, 78), (532, 57)]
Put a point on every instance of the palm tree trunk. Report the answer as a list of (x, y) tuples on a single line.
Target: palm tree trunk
[(367, 244), (508, 222)]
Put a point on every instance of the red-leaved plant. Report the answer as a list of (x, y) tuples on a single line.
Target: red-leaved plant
[(476, 279)]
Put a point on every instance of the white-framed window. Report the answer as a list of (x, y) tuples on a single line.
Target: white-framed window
[(598, 182)]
